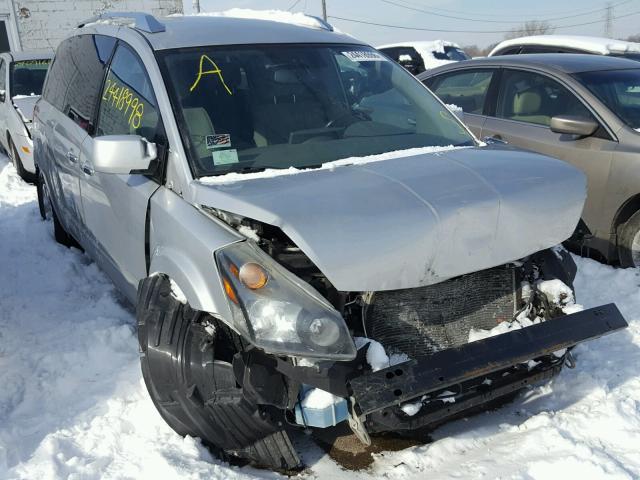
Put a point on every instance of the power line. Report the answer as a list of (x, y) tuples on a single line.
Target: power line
[(428, 12), (402, 27), (293, 5), (490, 14)]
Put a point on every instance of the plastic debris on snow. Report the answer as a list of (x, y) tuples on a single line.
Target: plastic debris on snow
[(234, 177)]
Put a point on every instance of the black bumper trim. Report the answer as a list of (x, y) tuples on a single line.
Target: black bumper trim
[(406, 381)]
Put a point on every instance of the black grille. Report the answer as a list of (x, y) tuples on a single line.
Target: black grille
[(421, 321)]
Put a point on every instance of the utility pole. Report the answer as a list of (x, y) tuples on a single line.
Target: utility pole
[(196, 6), (324, 10), (608, 20)]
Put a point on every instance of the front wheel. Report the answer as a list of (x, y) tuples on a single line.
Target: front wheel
[(629, 242), (186, 364)]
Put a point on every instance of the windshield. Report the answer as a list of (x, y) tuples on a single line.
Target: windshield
[(27, 76), (247, 108), (617, 89), (451, 53)]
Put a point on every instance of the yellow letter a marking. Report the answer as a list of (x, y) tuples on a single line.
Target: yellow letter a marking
[(214, 71)]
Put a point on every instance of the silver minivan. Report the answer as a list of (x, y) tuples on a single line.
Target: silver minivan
[(309, 236)]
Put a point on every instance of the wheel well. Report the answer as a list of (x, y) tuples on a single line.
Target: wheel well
[(625, 212)]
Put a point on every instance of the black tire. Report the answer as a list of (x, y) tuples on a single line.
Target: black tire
[(190, 379), (17, 163), (47, 211), (627, 232)]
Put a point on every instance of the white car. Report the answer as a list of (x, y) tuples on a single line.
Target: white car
[(21, 78), (568, 44)]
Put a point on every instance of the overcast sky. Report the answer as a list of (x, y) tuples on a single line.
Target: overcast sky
[(493, 15)]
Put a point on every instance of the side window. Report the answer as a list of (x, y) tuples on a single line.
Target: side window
[(128, 105), (509, 51), (533, 98), (89, 55), (59, 76), (3, 75), (467, 89)]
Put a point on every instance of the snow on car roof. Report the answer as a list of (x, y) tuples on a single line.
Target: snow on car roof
[(295, 18), (599, 45), (242, 27), (426, 50)]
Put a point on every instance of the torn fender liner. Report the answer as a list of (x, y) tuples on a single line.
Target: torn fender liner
[(403, 382)]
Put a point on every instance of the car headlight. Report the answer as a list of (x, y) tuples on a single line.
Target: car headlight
[(279, 312)]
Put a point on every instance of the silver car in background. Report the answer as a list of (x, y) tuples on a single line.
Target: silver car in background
[(281, 202), (22, 75), (584, 109)]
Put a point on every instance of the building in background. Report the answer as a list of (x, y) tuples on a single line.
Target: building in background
[(41, 24)]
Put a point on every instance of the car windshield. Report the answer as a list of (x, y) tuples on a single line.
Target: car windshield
[(248, 108), (617, 89), (451, 53), (27, 76)]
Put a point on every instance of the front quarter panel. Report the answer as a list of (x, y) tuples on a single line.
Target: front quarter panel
[(182, 242)]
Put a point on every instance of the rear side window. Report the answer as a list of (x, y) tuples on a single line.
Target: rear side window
[(59, 76), (128, 105), (533, 98), (467, 89), (87, 54)]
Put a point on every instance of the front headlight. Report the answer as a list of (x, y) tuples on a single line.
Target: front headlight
[(278, 312)]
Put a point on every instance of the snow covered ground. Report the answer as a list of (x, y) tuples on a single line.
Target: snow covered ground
[(73, 405)]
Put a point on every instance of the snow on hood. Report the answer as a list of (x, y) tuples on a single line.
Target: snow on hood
[(25, 105), (234, 177), (415, 220), (295, 18)]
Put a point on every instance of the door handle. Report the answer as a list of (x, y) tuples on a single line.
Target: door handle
[(73, 158), (87, 169)]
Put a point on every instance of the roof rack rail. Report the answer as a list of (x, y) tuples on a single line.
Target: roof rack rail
[(142, 21), (323, 23)]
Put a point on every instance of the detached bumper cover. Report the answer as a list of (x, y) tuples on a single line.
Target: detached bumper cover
[(407, 381)]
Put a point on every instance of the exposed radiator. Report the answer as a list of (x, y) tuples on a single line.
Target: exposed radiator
[(421, 321)]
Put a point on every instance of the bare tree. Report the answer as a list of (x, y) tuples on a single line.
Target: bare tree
[(476, 51), (532, 27), (634, 38)]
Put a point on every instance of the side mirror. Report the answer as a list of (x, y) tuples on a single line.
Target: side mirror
[(572, 125), (122, 154), (3, 95)]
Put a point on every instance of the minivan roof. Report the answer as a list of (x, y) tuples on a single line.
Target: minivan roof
[(195, 31)]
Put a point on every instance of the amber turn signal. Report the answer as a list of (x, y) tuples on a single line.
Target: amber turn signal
[(253, 276)]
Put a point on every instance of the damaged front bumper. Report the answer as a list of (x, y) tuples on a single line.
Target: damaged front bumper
[(500, 359), (474, 374)]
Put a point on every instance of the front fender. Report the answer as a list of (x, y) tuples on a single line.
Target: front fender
[(182, 241)]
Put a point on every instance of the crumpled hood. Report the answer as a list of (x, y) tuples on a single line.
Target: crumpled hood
[(25, 105), (415, 221)]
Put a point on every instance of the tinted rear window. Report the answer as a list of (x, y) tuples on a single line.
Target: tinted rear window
[(27, 76)]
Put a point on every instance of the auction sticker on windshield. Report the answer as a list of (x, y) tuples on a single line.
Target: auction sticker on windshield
[(225, 157), (364, 56)]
